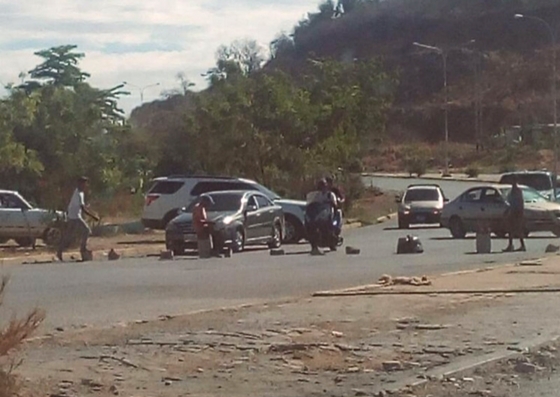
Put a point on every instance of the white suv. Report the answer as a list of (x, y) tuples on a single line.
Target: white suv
[(168, 195)]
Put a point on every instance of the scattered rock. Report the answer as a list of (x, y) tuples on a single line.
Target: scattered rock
[(353, 251), (171, 378), (391, 366), (337, 334), (277, 252), (113, 389), (59, 329), (551, 248), (525, 368), (353, 370), (360, 393), (113, 256), (167, 383), (430, 327), (166, 255)]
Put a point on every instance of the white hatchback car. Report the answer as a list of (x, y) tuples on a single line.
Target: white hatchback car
[(168, 195), (23, 223)]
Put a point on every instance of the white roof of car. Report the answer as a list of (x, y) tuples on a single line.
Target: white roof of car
[(423, 187), (8, 192)]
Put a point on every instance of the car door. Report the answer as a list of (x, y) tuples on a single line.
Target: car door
[(492, 208), (252, 219), (266, 209), (469, 207), (12, 219)]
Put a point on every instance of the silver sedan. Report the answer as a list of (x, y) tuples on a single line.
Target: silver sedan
[(487, 204)]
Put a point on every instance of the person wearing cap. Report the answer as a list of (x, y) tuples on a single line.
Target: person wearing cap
[(77, 228)]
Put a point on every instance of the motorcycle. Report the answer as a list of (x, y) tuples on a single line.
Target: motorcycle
[(323, 225)]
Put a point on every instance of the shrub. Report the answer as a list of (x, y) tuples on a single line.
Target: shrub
[(11, 340), (473, 171), (416, 166)]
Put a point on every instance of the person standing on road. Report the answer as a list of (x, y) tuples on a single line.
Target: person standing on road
[(340, 199), (77, 226), (323, 195), (204, 231), (515, 217)]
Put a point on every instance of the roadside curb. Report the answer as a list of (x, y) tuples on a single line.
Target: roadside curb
[(462, 366), (429, 177)]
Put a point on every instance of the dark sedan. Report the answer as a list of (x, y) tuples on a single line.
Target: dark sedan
[(241, 217)]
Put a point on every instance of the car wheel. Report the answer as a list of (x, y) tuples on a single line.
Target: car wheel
[(276, 238), (238, 243), (293, 229), (178, 249), (457, 228), (403, 224), (25, 241), (52, 236), (500, 233)]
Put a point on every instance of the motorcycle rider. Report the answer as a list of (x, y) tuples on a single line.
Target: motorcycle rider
[(323, 195), (340, 202)]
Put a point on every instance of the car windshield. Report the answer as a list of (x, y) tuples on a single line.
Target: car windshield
[(421, 195), (222, 203), (530, 195), (536, 181)]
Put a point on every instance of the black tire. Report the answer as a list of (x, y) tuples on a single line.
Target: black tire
[(52, 236), (500, 233), (25, 241), (178, 249), (457, 228), (294, 230), (276, 237), (556, 232), (238, 243), (403, 224)]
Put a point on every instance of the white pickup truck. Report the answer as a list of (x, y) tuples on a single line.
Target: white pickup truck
[(23, 223)]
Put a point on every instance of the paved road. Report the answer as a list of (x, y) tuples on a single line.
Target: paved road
[(128, 290)]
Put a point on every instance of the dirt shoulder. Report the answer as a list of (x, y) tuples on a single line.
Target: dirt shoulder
[(341, 346)]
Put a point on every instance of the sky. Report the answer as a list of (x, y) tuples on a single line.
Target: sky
[(142, 42)]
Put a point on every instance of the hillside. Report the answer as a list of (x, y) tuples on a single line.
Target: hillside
[(515, 62)]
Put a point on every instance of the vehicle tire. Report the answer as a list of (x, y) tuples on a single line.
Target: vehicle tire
[(403, 224), (457, 228), (178, 249), (238, 243), (556, 232), (294, 230), (25, 241), (276, 238), (500, 233), (52, 236)]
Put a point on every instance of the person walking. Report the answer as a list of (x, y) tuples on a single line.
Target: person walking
[(76, 226), (515, 218)]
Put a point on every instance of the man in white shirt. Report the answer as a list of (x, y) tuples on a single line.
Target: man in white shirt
[(77, 226)]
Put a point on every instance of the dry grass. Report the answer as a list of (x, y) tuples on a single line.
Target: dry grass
[(372, 205), (12, 338)]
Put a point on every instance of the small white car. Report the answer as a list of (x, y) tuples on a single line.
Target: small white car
[(23, 223)]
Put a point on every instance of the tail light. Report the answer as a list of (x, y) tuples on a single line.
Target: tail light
[(150, 198)]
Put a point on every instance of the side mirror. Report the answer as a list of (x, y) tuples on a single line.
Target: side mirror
[(398, 199), (446, 200), (251, 208)]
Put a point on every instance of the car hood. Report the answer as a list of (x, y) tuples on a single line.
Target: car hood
[(213, 216), (543, 206), (423, 204)]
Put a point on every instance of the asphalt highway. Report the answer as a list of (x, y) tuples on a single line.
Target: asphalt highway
[(108, 293)]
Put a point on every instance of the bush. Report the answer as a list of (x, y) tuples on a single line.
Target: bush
[(473, 171), (11, 340), (416, 165), (507, 168)]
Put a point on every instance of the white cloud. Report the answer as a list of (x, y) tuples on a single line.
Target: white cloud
[(142, 42)]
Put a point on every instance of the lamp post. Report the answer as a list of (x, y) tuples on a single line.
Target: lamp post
[(443, 52), (554, 84), (141, 89)]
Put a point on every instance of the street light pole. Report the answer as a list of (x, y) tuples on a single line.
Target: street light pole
[(141, 89), (443, 53), (554, 83)]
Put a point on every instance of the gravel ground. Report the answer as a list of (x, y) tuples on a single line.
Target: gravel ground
[(349, 346)]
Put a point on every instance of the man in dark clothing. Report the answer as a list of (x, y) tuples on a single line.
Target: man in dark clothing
[(515, 217), (340, 199)]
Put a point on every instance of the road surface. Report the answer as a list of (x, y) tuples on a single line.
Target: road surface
[(451, 188), (106, 293)]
